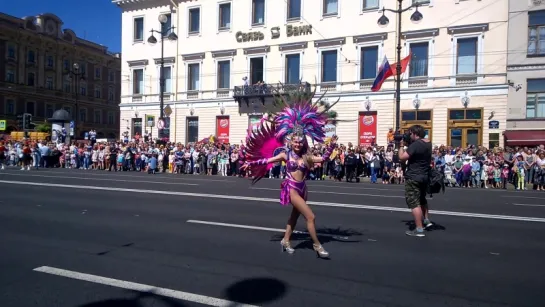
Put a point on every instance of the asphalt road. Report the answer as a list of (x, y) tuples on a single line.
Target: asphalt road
[(97, 239)]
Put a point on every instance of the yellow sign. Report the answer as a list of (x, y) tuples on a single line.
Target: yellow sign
[(3, 125)]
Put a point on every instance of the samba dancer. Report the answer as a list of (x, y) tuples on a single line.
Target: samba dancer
[(299, 119)]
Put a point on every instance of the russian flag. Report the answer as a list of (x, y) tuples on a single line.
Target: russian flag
[(384, 72)]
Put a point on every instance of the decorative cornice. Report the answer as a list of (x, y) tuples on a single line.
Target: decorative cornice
[(475, 28), (194, 56), (293, 46), (257, 50), (420, 33), (330, 42), (169, 60), (371, 38), (137, 63), (524, 67), (224, 53)]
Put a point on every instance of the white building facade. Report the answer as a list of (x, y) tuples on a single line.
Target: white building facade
[(455, 86)]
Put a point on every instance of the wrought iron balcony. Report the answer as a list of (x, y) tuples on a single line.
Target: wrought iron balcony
[(263, 91)]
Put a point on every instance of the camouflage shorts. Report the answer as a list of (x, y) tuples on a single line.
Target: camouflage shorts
[(415, 193)]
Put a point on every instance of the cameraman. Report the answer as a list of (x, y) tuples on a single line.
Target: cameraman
[(418, 157)]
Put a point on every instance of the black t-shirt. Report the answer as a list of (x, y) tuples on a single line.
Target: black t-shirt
[(418, 167)]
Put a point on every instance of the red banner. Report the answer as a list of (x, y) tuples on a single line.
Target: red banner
[(367, 127), (222, 129)]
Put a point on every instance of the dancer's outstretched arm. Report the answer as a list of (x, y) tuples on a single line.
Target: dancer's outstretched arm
[(325, 157), (278, 158)]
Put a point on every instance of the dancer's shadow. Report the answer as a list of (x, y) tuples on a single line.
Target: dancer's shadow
[(137, 301), (254, 291), (411, 225), (325, 235)]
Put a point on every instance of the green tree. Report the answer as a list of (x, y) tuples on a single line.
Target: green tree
[(43, 127)]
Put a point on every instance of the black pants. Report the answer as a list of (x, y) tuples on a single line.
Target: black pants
[(113, 163)]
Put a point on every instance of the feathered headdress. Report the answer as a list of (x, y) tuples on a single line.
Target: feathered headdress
[(300, 117)]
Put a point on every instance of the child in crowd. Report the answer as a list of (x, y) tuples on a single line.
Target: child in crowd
[(504, 176), (385, 176), (497, 176)]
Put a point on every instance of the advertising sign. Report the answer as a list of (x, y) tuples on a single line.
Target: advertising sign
[(330, 130), (367, 127), (222, 128), (3, 125), (255, 120)]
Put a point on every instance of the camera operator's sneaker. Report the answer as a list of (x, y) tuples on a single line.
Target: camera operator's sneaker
[(415, 233), (427, 223)]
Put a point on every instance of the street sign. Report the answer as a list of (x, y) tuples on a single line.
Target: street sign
[(150, 121), (71, 124), (167, 110), (161, 124), (3, 125)]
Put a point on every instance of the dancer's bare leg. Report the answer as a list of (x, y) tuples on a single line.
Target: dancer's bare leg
[(292, 221), (301, 206)]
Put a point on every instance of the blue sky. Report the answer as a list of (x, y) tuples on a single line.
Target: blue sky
[(95, 20)]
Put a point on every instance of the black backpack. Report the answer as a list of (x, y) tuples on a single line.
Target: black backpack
[(436, 182)]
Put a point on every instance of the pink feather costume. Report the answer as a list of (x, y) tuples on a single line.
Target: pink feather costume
[(299, 118)]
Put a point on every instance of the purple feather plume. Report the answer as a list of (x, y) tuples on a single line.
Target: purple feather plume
[(261, 144)]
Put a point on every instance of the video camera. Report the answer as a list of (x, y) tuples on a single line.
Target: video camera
[(405, 137)]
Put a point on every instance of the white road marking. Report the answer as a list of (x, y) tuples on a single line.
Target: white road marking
[(275, 200), (338, 193), (184, 296), (529, 205), (106, 179), (529, 197)]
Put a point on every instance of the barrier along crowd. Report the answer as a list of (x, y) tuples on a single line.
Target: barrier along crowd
[(469, 167)]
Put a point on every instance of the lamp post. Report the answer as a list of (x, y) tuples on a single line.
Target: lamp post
[(76, 75), (170, 35), (383, 21)]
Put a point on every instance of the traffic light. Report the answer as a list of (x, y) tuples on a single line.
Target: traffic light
[(27, 119), (20, 121)]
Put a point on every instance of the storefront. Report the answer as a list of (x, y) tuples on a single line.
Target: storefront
[(423, 118), (465, 126)]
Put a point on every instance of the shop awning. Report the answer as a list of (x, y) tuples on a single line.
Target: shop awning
[(524, 137)]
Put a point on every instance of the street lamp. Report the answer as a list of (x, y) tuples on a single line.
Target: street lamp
[(76, 75), (383, 21), (170, 35)]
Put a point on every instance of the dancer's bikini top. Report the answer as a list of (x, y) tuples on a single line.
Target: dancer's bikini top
[(293, 166)]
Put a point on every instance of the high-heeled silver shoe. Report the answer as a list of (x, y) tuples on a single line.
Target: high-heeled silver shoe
[(286, 247), (320, 251)]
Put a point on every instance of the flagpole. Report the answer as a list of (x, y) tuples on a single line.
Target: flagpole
[(398, 69)]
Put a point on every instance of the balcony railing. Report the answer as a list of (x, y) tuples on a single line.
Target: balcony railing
[(263, 91)]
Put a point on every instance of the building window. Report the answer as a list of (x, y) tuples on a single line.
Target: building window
[(49, 111), (493, 140), (111, 94), (98, 73), (257, 66), (30, 79), (83, 69), (10, 75), (293, 69), (167, 75), (49, 83), (66, 65), (258, 12), (535, 98), (111, 76), (194, 76), (225, 16), (67, 86), (83, 89), (536, 33), (98, 91), (331, 7), (368, 62), (194, 20), (421, 1), (11, 52), (98, 116), (294, 9), (31, 56), (138, 81), (419, 60), (68, 109), (138, 29), (50, 61), (10, 106), (30, 107), (166, 27), (83, 115), (415, 115), (224, 74), (466, 59), (111, 118), (329, 66), (370, 4)]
